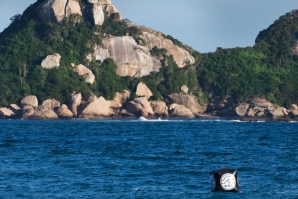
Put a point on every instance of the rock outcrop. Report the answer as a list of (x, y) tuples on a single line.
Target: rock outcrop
[(51, 103), (143, 91), (85, 72), (97, 109), (51, 61), (188, 101), (99, 54), (261, 102), (92, 98), (159, 108), (41, 112), (74, 103), (119, 99), (97, 14), (180, 111), (112, 10), (63, 112), (180, 55), (293, 109), (278, 112), (184, 89), (140, 107), (5, 112), (241, 110), (57, 10), (130, 58), (29, 101), (16, 109), (259, 107)]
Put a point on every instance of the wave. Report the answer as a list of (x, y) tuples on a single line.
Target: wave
[(143, 119)]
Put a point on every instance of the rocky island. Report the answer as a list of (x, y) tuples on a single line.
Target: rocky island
[(65, 59)]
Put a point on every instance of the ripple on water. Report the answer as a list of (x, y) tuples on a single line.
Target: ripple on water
[(145, 159)]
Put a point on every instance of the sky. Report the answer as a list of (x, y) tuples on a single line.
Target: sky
[(202, 24)]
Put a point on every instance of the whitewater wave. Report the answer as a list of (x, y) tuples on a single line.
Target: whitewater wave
[(143, 119)]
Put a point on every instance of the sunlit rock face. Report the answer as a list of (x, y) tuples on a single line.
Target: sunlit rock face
[(85, 72), (56, 10), (130, 58), (135, 60), (51, 61), (180, 55)]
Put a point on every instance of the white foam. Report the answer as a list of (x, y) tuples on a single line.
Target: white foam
[(143, 119)]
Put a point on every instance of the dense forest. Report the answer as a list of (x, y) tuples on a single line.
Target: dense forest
[(268, 69)]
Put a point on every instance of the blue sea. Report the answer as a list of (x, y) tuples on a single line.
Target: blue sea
[(146, 158)]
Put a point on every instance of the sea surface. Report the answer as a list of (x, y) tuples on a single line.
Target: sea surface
[(146, 158)]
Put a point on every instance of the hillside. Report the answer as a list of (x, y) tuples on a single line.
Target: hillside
[(31, 37), (59, 48)]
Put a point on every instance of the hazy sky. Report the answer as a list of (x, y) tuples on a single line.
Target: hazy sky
[(201, 24)]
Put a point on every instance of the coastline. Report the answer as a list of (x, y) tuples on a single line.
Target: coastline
[(122, 107)]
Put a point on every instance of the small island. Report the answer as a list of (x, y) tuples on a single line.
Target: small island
[(81, 59)]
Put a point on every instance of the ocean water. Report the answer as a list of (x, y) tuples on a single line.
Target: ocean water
[(146, 158)]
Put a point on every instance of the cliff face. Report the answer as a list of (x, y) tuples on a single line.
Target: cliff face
[(135, 60), (57, 10), (131, 59), (181, 56)]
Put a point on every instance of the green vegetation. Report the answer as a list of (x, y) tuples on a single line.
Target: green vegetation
[(268, 69)]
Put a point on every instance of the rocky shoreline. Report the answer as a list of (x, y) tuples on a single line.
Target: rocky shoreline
[(183, 106)]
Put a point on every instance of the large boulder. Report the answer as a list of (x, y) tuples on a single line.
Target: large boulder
[(159, 108), (180, 111), (184, 89), (180, 55), (63, 112), (51, 61), (278, 112), (241, 109), (188, 101), (112, 10), (73, 7), (293, 109), (131, 59), (74, 103), (92, 98), (41, 112), (15, 109), (85, 72), (261, 102), (140, 107), (97, 14), (253, 111), (30, 101), (51, 103), (57, 10), (5, 112), (119, 99), (143, 91), (97, 109)]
